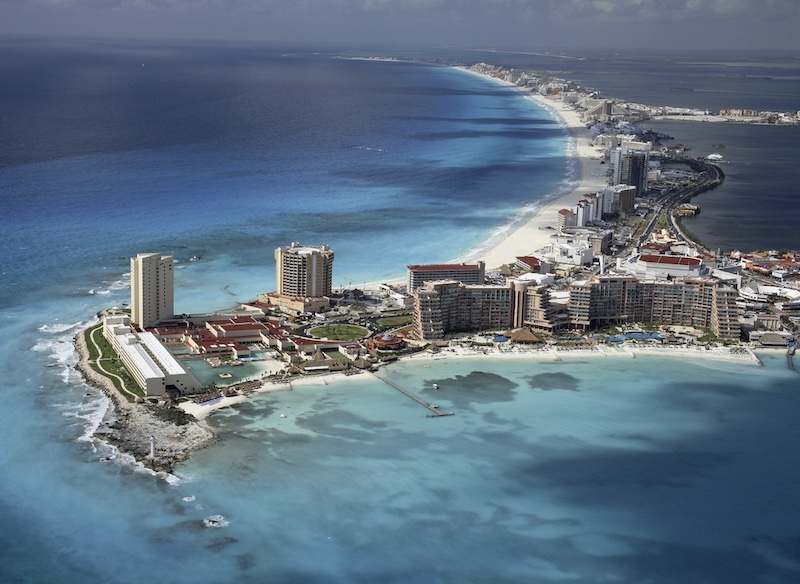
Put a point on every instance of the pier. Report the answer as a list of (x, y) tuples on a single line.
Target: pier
[(435, 413)]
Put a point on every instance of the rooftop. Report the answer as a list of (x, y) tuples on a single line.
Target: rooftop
[(670, 260), (443, 267)]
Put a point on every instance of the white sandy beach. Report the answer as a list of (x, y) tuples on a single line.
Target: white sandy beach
[(201, 410), (735, 354), (534, 234)]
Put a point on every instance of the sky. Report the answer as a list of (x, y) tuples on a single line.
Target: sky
[(488, 24)]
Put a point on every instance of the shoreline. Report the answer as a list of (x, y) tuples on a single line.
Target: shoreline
[(727, 354), (133, 424), (534, 232)]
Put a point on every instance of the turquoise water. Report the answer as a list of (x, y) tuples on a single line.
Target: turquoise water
[(588, 470), (591, 471), (206, 374)]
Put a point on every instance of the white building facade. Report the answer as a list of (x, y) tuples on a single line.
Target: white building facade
[(152, 289), (150, 364)]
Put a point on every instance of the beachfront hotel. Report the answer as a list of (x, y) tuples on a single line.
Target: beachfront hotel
[(303, 271), (150, 364), (607, 300), (464, 273), (152, 289), (449, 305), (613, 300)]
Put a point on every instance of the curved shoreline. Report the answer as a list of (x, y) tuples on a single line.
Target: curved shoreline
[(134, 424), (527, 235), (534, 232)]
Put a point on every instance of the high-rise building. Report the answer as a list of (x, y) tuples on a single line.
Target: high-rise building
[(620, 197), (630, 167), (448, 306), (614, 300), (634, 172), (152, 289), (303, 270)]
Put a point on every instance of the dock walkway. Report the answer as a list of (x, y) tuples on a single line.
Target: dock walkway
[(790, 359), (435, 412)]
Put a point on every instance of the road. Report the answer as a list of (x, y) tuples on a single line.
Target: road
[(711, 178)]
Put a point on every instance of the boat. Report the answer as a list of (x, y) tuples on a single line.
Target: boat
[(435, 386)]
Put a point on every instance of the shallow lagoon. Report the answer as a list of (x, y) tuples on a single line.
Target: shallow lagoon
[(610, 469)]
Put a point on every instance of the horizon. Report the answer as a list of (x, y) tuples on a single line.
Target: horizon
[(502, 25), (393, 50)]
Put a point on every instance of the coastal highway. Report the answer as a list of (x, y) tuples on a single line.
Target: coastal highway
[(711, 177)]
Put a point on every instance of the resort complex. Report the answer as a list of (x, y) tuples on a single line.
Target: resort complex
[(448, 306), (609, 257), (607, 269), (565, 293)]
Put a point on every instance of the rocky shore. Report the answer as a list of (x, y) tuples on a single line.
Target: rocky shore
[(135, 424)]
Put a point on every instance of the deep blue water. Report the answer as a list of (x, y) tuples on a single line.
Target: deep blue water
[(596, 471), (230, 153)]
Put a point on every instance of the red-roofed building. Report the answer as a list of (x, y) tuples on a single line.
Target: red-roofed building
[(531, 263), (205, 342), (245, 329), (566, 218), (295, 304), (666, 266)]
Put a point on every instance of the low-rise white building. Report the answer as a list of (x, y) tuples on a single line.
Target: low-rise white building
[(572, 254), (151, 365), (661, 266)]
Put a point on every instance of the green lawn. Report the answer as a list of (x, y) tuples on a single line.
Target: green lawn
[(339, 332), (110, 363), (390, 321)]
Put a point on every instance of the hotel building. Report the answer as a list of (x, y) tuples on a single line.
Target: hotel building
[(630, 168), (152, 289), (150, 364), (303, 271), (448, 306), (464, 273), (613, 300)]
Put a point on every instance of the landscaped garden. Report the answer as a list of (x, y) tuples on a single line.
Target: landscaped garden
[(339, 332)]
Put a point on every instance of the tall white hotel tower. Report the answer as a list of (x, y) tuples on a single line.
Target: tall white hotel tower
[(152, 289)]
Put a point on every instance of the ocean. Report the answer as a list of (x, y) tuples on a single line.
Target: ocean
[(624, 470)]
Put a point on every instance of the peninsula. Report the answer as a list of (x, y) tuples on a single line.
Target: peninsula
[(617, 235)]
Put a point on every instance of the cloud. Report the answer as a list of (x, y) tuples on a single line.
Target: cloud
[(653, 10), (587, 9), (496, 23)]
